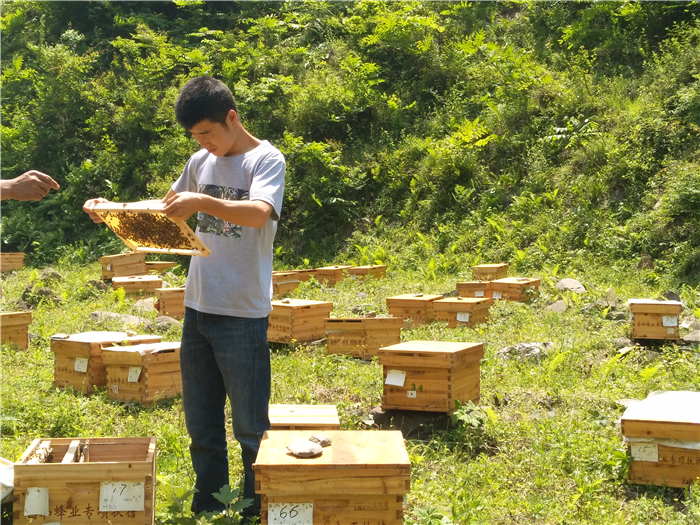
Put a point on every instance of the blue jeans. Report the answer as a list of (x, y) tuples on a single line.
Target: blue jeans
[(223, 356)]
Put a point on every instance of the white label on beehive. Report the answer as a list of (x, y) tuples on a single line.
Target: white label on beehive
[(290, 513), (479, 293), (670, 320), (395, 377), (80, 364), (670, 331), (497, 295), (115, 389), (109, 266), (411, 393), (36, 502), (122, 496), (645, 452), (631, 317), (134, 374), (463, 317)]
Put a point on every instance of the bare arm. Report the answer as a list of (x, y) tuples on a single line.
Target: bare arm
[(30, 186), (252, 214)]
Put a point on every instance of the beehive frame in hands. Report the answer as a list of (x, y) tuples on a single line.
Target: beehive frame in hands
[(144, 227)]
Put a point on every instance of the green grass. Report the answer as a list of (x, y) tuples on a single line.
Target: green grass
[(547, 450)]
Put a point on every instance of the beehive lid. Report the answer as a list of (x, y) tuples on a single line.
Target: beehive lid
[(101, 337), (457, 301), (13, 318), (145, 228), (292, 303), (516, 280), (672, 407), (432, 348), (495, 266), (145, 348), (417, 297), (137, 278), (334, 267), (653, 306), (370, 450)]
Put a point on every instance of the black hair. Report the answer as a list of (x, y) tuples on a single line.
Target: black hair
[(203, 98)]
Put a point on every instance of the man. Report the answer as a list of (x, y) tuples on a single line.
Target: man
[(235, 184), (30, 186)]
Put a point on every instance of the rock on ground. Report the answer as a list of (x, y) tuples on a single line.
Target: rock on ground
[(124, 319), (572, 285), (535, 351)]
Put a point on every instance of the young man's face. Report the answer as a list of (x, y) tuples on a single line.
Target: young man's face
[(216, 138)]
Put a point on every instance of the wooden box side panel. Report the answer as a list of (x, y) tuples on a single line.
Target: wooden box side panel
[(18, 335), (341, 509), (676, 467), (660, 430)]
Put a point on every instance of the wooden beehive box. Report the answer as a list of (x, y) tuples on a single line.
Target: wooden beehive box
[(78, 358), (462, 311), (520, 289), (170, 302), (304, 417), (143, 373), (304, 274), (298, 320), (330, 275), (86, 481), (373, 270), (430, 375), (490, 272), (361, 478), (476, 289), (417, 307), (159, 266), (654, 319), (137, 284), (284, 283), (14, 328), (123, 265), (362, 336), (144, 227), (11, 261), (662, 434)]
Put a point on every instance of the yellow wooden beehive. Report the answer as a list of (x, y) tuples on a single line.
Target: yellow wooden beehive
[(490, 272), (137, 284), (123, 265), (304, 417), (362, 477), (331, 275), (14, 328), (284, 283), (78, 358), (297, 320), (372, 270), (520, 289), (159, 266), (11, 261), (170, 302), (417, 307), (362, 336), (654, 319), (143, 373), (430, 375), (462, 311), (662, 434), (476, 289), (103, 480), (304, 274)]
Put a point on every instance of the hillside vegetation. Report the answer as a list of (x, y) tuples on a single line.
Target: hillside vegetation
[(543, 133)]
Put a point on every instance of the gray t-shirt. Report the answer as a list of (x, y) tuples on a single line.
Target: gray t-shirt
[(236, 278)]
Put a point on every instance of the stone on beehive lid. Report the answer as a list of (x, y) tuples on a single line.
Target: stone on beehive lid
[(78, 358), (331, 275), (652, 319), (143, 373), (123, 265), (490, 272), (170, 302), (430, 375), (662, 434), (476, 289), (417, 307), (362, 477), (520, 289), (362, 336), (373, 270), (300, 417), (86, 481), (462, 311), (298, 320), (138, 283), (14, 328)]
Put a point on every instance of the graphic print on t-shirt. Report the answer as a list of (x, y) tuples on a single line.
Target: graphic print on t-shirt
[(214, 225)]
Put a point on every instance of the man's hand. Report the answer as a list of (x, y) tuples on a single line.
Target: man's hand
[(30, 186), (88, 208), (182, 205)]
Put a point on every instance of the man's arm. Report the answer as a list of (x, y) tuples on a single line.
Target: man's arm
[(252, 214), (30, 186)]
